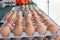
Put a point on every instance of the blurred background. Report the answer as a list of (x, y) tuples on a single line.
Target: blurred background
[(54, 8)]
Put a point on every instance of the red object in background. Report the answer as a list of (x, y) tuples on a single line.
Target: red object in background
[(17, 1), (22, 1)]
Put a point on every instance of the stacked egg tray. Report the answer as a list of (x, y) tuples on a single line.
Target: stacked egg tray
[(35, 36)]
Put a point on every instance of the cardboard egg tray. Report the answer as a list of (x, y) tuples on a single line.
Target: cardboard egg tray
[(24, 35)]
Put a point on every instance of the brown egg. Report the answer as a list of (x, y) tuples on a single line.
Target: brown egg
[(23, 7), (47, 22), (35, 8), (17, 30), (53, 28), (57, 38), (31, 8), (19, 16), (44, 17), (41, 29), (35, 38), (29, 26), (5, 31), (18, 23), (10, 20), (24, 39), (47, 38), (19, 13), (8, 15), (26, 7), (29, 15), (7, 25), (30, 30), (14, 16)]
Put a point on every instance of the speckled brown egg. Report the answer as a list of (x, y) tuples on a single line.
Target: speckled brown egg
[(57, 37), (5, 31)]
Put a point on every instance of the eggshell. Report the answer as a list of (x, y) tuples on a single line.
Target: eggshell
[(5, 31), (30, 30), (23, 7), (35, 8), (10, 20), (7, 25), (31, 8), (57, 38), (41, 29), (29, 26), (17, 30), (8, 15), (44, 17), (48, 22), (53, 28), (18, 23), (26, 7)]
